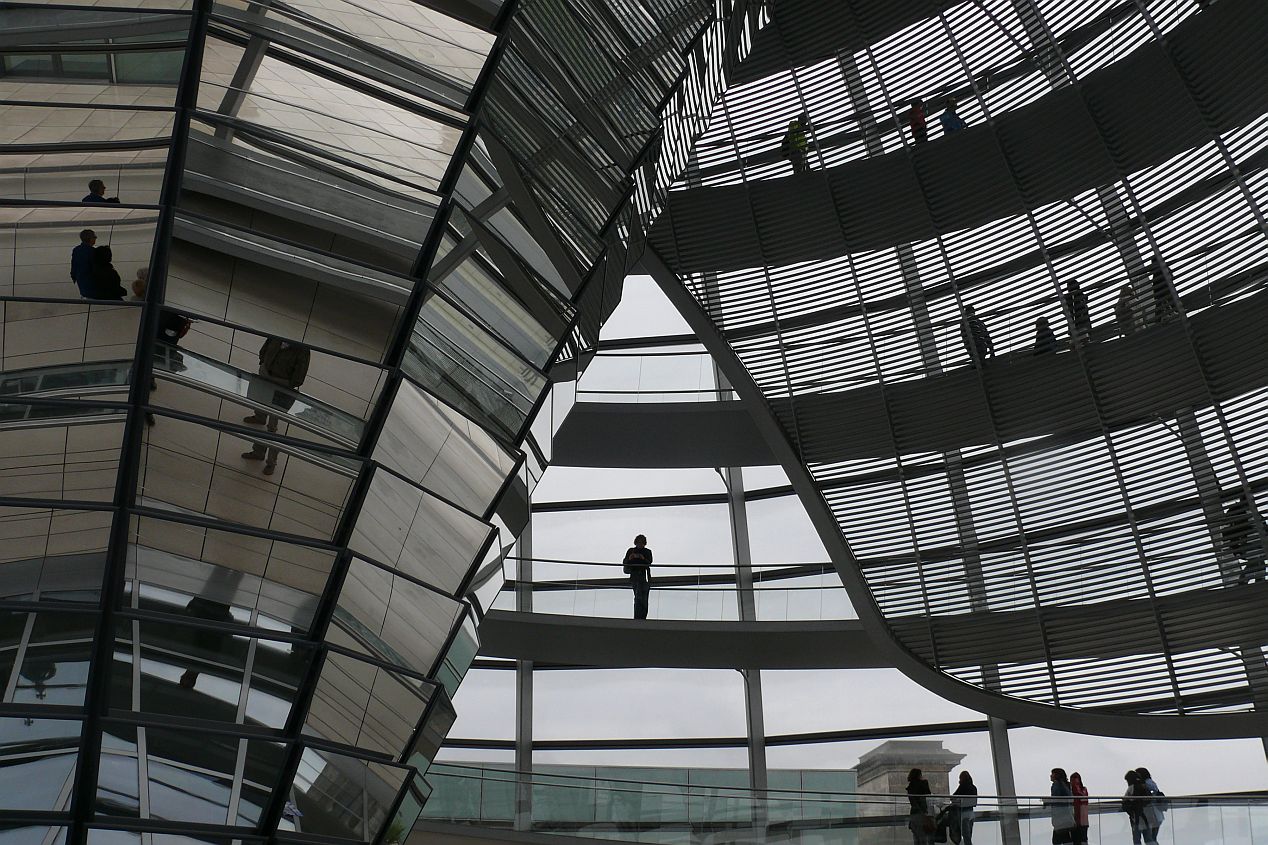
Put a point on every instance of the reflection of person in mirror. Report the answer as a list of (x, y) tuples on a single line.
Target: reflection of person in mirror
[(106, 282), (638, 565), (171, 328), (97, 193), (285, 363), (81, 263)]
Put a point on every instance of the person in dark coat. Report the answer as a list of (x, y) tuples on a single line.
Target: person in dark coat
[(1134, 801), (916, 120), (919, 820), (97, 193), (1077, 309), (106, 283), (638, 565), (1045, 339), (1061, 808), (977, 340), (281, 363), (964, 801), (1242, 535), (81, 263), (1166, 306), (950, 118)]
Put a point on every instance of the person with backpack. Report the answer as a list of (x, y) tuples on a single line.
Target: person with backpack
[(106, 282), (1080, 808), (919, 820), (1241, 536), (283, 363), (171, 328), (1134, 800), (638, 565), (796, 145), (1061, 808), (1154, 810)]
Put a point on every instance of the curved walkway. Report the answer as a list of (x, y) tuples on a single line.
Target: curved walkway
[(1147, 375), (1133, 114)]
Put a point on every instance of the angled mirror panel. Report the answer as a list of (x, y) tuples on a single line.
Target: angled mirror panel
[(422, 535), (52, 555), (40, 128), (203, 673), (293, 195), (392, 618), (465, 365), (379, 136), (52, 665), (287, 387), (439, 449), (432, 48), (57, 253), (365, 706), (191, 468), (133, 175), (66, 350), (38, 763), (271, 288), (342, 796), (188, 569), (63, 453)]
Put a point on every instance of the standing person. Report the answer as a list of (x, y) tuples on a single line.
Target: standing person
[(916, 120), (638, 565), (1061, 808), (977, 340), (106, 282), (1134, 800), (1045, 339), (81, 263), (964, 799), (1080, 808), (1166, 306), (284, 363), (950, 119), (1125, 309), (97, 193), (1076, 306), (1242, 536), (1154, 809), (919, 821), (796, 144)]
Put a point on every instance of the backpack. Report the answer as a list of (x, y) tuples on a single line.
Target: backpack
[(186, 323), (1160, 799)]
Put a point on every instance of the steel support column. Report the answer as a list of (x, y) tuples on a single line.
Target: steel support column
[(524, 686)]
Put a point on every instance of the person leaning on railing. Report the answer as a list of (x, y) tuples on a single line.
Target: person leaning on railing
[(1061, 808), (919, 820), (964, 802)]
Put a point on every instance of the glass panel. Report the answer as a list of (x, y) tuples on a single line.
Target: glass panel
[(233, 275), (308, 393), (199, 469), (43, 251), (372, 225), (54, 668), (418, 533), (33, 836), (76, 460), (264, 583), (53, 125), (48, 555), (345, 797), (443, 451), (367, 132), (358, 703), (135, 176), (463, 364), (191, 775), (38, 762), (199, 672), (458, 658), (394, 619)]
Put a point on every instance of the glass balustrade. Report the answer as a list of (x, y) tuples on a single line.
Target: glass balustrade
[(697, 813)]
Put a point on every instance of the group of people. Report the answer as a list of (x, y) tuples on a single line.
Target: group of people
[(91, 266), (795, 146), (1162, 307), (1143, 802)]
